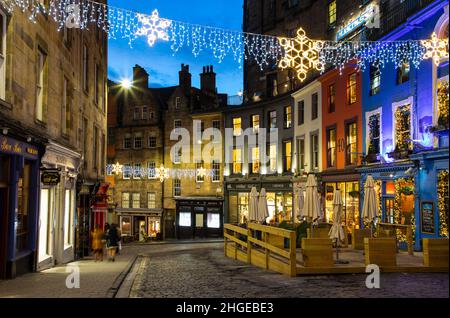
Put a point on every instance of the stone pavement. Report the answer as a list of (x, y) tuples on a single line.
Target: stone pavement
[(97, 279), (202, 271)]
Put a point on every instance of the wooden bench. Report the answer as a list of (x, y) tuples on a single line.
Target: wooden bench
[(380, 251), (317, 252), (435, 252), (358, 236)]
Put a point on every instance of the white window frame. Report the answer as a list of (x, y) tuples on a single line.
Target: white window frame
[(133, 199), (149, 174), (153, 201), (126, 167), (369, 114), (198, 165), (122, 200), (216, 171), (138, 135), (395, 105), (137, 174), (176, 187)]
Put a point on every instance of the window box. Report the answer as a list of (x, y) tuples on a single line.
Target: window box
[(399, 154)]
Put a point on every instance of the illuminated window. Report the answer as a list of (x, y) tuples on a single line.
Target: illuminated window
[(237, 160), (351, 89), (272, 158), (255, 123), (287, 154), (331, 147), (185, 219), (125, 200), (351, 145), (288, 117), (213, 220), (315, 151), (41, 85), (332, 12), (151, 170), (255, 164), (375, 79), (237, 126), (151, 200), (403, 127), (198, 166), (216, 171), (403, 73), (374, 128)]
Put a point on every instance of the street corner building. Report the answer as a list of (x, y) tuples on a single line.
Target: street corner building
[(156, 195), (52, 140)]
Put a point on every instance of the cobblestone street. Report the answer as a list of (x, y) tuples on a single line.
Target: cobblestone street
[(200, 270), (203, 271)]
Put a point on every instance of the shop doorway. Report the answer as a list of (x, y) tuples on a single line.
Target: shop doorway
[(199, 230), (4, 189), (140, 228)]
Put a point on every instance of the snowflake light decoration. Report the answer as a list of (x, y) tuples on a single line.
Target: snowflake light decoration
[(162, 173), (201, 172), (301, 54), (436, 49), (153, 27), (117, 168)]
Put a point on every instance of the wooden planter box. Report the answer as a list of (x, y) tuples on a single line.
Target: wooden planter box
[(317, 252), (380, 251), (358, 236), (435, 252)]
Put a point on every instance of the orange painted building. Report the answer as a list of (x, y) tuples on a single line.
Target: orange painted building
[(342, 140)]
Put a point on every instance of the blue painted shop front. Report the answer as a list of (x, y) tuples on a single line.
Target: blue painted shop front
[(405, 149), (19, 208)]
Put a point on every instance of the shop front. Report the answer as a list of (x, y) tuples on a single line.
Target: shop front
[(396, 188), (57, 206), (200, 217), (19, 191), (349, 186), (279, 196), (140, 224)]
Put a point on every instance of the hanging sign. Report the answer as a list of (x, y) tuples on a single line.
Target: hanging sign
[(50, 177)]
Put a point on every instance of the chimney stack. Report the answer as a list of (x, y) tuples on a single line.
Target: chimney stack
[(185, 78), (140, 77), (208, 80)]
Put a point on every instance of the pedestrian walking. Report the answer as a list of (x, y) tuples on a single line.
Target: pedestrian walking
[(97, 244), (112, 242)]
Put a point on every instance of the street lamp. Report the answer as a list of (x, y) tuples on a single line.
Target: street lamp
[(126, 83)]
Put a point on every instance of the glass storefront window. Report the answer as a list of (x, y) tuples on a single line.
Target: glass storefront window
[(185, 219), (21, 221), (44, 224), (350, 196), (279, 206), (67, 218), (213, 220), (243, 207), (125, 225), (154, 227)]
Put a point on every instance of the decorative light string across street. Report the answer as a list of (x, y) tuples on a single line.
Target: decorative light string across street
[(300, 53)]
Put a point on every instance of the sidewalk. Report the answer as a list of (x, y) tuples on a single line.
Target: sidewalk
[(176, 241), (97, 280)]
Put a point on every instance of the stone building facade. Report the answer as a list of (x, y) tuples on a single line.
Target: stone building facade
[(53, 119), (164, 200)]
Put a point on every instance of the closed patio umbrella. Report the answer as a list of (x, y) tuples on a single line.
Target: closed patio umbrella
[(253, 205), (263, 210), (300, 203), (370, 204), (311, 205), (337, 232)]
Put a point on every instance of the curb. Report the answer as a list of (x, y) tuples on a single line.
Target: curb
[(112, 291), (175, 242)]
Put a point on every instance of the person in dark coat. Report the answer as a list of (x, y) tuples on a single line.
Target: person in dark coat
[(112, 242)]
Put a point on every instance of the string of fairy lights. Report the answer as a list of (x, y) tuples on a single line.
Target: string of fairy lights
[(299, 53)]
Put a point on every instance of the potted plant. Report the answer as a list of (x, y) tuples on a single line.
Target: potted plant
[(372, 155), (399, 153)]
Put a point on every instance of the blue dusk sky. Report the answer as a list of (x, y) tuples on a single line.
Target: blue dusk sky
[(160, 62)]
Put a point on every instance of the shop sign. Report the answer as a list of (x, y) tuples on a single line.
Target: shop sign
[(359, 21), (427, 217), (50, 177), (14, 147)]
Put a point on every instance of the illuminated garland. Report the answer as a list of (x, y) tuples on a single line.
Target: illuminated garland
[(402, 124), (443, 103), (443, 206), (300, 53), (399, 184)]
